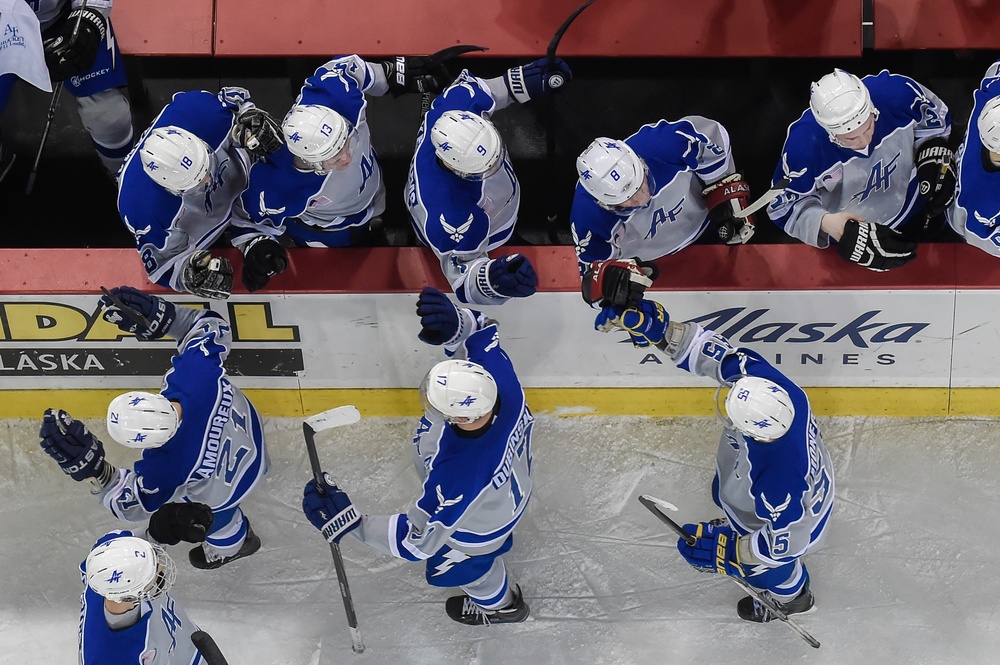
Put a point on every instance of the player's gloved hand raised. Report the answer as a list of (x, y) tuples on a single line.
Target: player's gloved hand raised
[(257, 132), (329, 509), (174, 522), (66, 56), (875, 246), (440, 322), (724, 199), (620, 282), (530, 81), (263, 258), (935, 164), (159, 313), (512, 276), (712, 539), (423, 74), (207, 276), (646, 324), (79, 453)]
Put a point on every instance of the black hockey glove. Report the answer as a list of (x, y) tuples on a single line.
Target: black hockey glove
[(79, 453), (263, 258), (618, 282), (440, 321), (145, 316), (724, 199), (257, 132), (174, 522), (207, 276), (66, 56), (423, 74), (935, 164), (875, 246)]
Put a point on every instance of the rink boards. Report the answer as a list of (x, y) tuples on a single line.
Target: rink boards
[(340, 328)]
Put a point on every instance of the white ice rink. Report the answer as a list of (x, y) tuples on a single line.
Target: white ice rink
[(908, 574)]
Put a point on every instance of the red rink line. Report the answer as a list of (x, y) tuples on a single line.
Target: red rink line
[(408, 269)]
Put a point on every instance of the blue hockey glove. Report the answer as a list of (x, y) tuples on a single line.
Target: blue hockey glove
[(646, 324), (79, 453), (234, 97), (512, 276), (715, 550), (158, 312), (529, 81), (439, 319), (329, 509)]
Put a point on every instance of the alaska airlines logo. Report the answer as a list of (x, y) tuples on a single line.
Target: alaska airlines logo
[(863, 331), (878, 179), (775, 511), (456, 233)]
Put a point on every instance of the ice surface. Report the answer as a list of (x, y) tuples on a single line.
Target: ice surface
[(908, 574)]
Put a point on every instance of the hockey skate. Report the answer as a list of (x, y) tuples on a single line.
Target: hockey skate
[(751, 610), (207, 557), (465, 610)]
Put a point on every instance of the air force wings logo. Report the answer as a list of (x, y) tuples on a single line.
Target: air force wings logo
[(456, 233), (775, 511), (267, 212), (789, 173), (444, 503), (138, 233), (580, 244), (986, 221)]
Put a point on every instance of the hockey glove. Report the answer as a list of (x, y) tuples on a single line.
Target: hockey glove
[(875, 246), (423, 74), (234, 97), (935, 164), (67, 56), (207, 276), (724, 199), (257, 132), (329, 509), (714, 551), (263, 258), (617, 282), (440, 322), (529, 81), (157, 312), (79, 453), (174, 522), (645, 324), (511, 276)]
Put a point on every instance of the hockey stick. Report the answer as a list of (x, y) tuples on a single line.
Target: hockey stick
[(555, 80), (654, 504), (209, 649), (440, 59), (129, 312), (56, 93), (342, 415), (765, 199)]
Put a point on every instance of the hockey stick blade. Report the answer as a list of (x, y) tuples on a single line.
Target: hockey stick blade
[(764, 200), (337, 417), (208, 648), (556, 80), (653, 505)]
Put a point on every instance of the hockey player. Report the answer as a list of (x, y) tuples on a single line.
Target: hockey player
[(867, 161), (473, 450), (976, 208), (127, 614), (773, 475), (201, 438), (180, 190), (657, 191), (325, 187), (462, 193), (90, 67)]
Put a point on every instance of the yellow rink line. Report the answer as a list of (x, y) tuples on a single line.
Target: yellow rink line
[(561, 401)]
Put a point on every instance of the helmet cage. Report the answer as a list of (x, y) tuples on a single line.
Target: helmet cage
[(130, 570)]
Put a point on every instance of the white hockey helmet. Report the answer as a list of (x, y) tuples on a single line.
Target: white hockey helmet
[(759, 408), (175, 159), (142, 420), (610, 171), (989, 125), (129, 569), (468, 144), (315, 133), (840, 102), (458, 391)]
